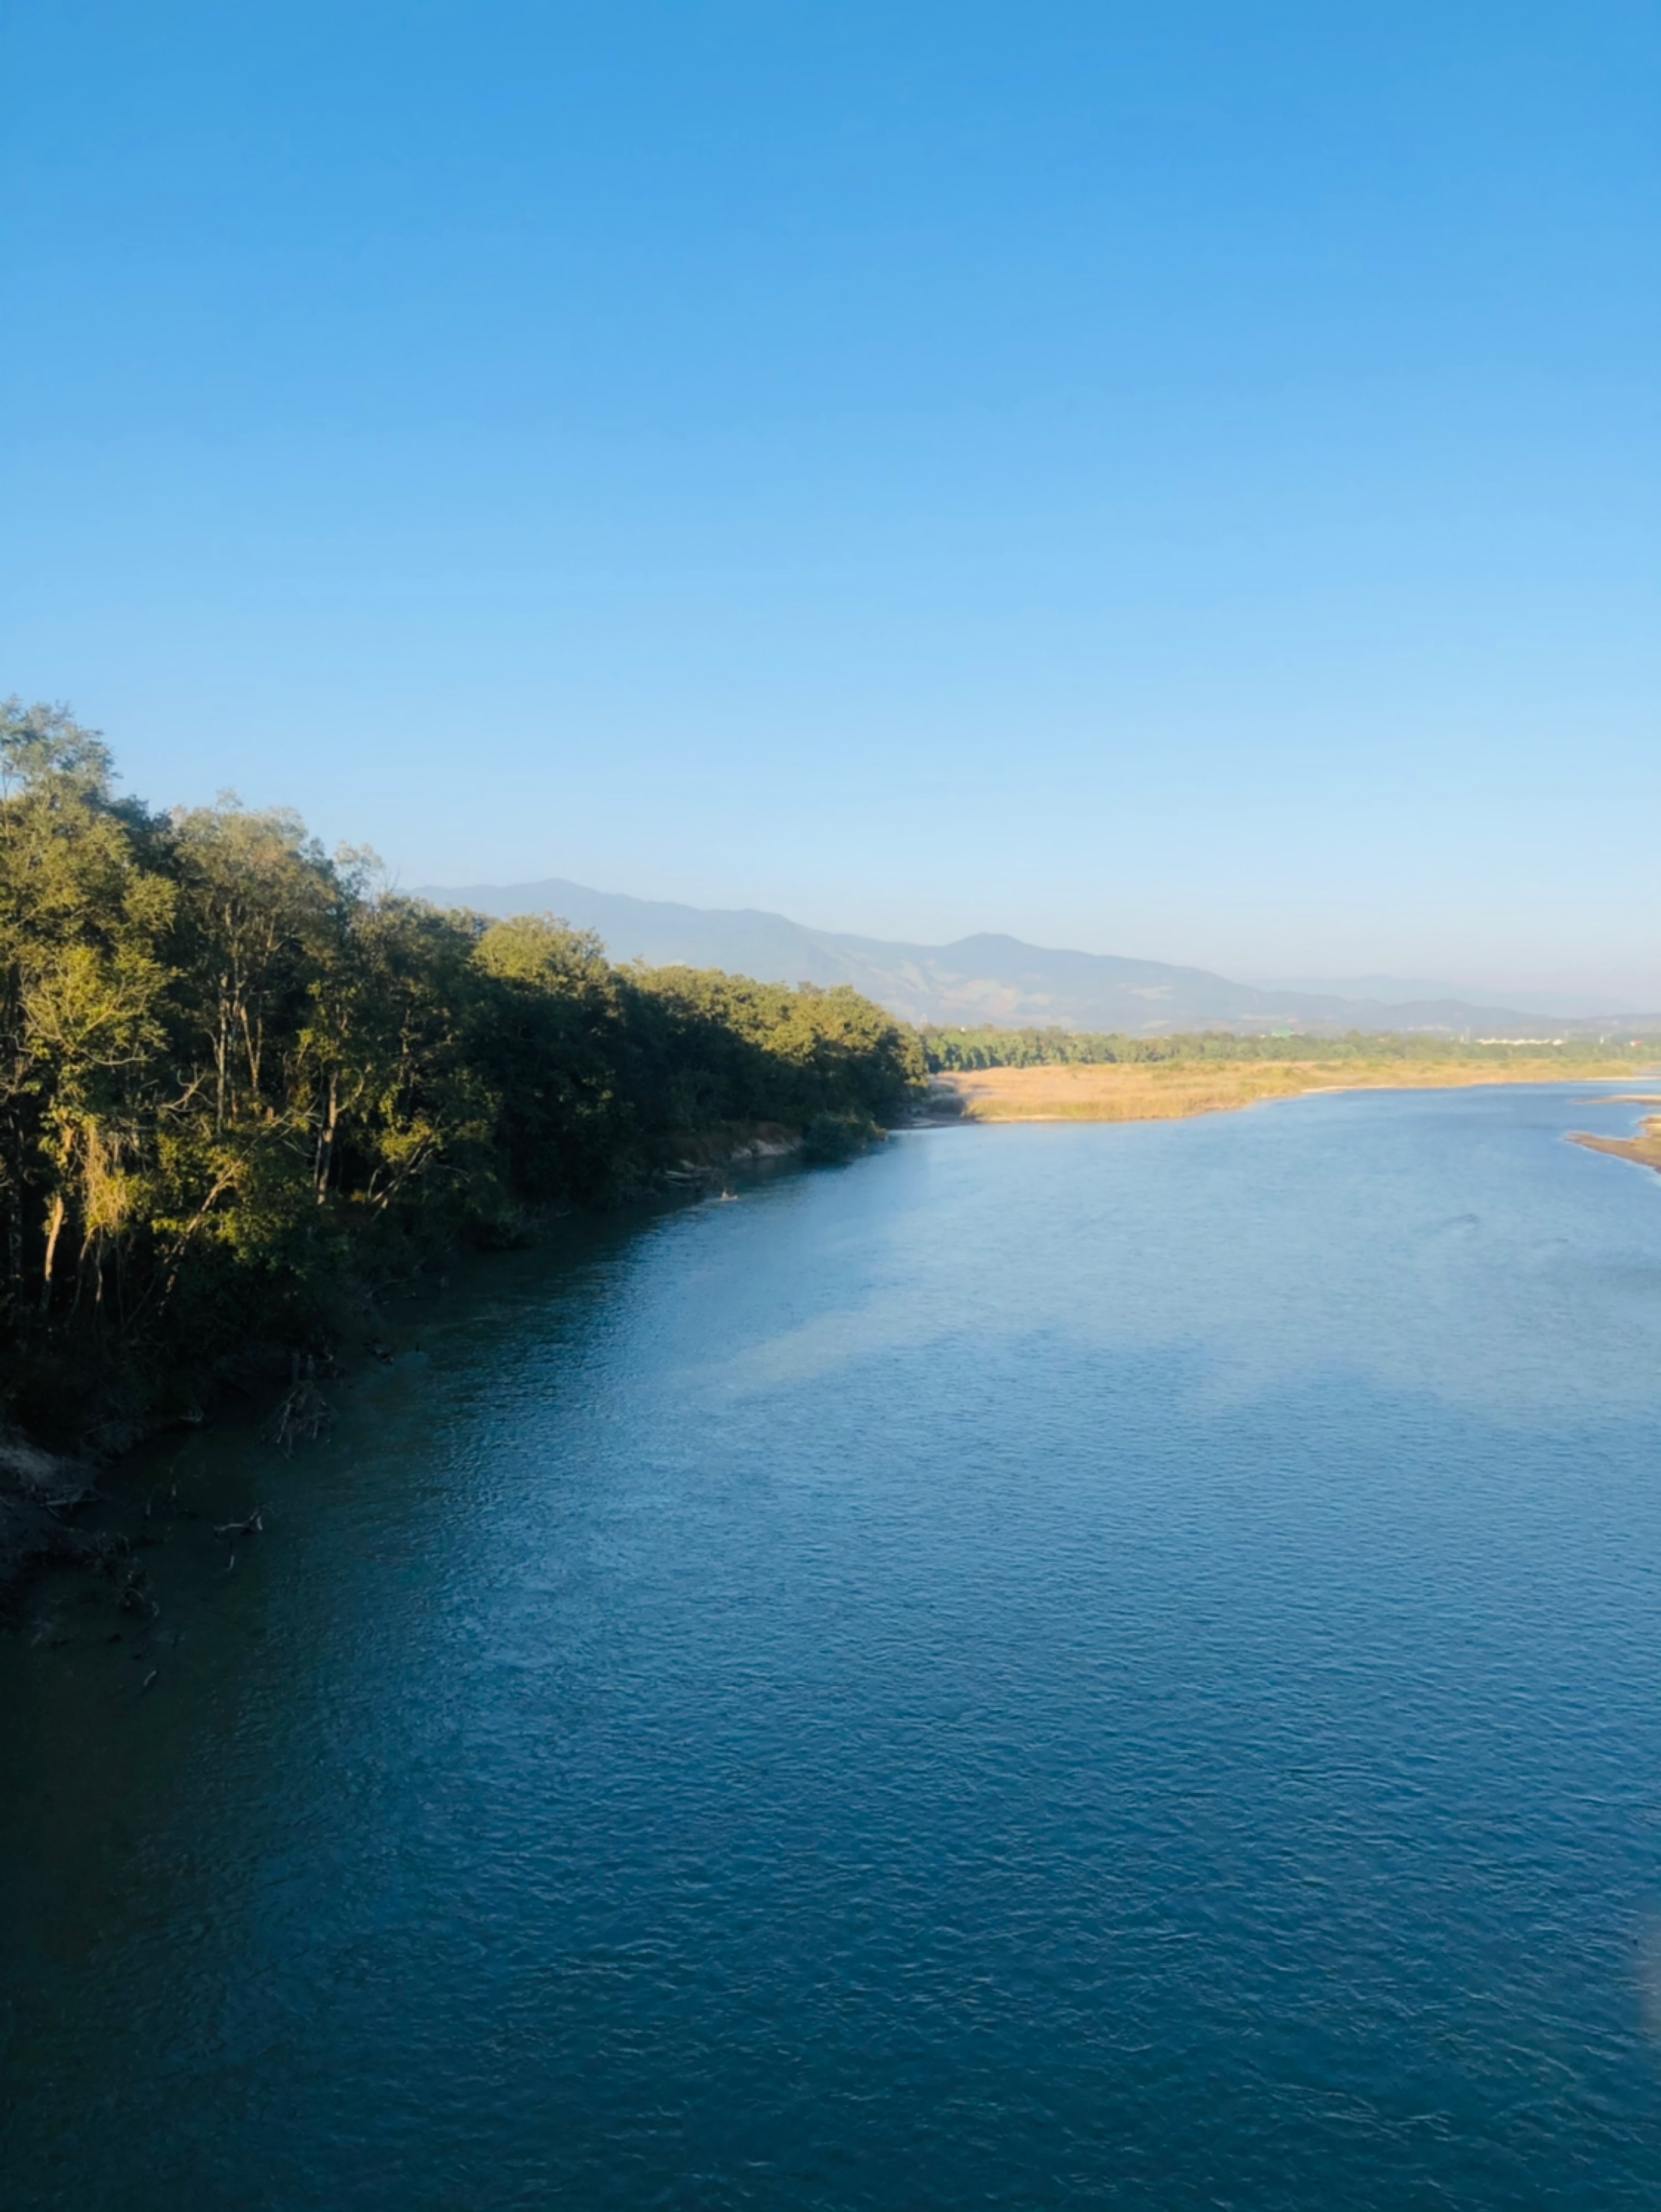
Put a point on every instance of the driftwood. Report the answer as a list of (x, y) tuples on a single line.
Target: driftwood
[(134, 1597), (305, 1413), (68, 1501), (254, 1526)]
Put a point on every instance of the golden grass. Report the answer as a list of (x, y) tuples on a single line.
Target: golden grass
[(1170, 1093)]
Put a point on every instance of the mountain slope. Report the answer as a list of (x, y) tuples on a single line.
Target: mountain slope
[(985, 978)]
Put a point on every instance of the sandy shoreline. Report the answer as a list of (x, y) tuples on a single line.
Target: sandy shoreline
[(1143, 1092), (1644, 1148)]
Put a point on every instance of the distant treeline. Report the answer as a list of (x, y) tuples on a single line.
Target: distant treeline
[(236, 1073), (949, 1051)]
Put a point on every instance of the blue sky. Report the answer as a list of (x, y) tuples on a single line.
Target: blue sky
[(1179, 479)]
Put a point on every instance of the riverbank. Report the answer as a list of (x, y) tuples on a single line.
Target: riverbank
[(1174, 1091), (77, 1508), (245, 1085), (1644, 1148)]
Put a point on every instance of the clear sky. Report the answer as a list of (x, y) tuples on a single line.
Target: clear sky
[(1180, 478)]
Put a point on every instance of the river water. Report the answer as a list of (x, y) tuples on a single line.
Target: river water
[(1073, 1665)]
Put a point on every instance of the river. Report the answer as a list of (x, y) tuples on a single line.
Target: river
[(1051, 1666)]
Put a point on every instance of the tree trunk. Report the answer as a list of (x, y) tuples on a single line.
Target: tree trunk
[(55, 1214), (326, 1138)]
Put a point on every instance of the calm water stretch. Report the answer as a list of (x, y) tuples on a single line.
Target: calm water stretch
[(1053, 1666)]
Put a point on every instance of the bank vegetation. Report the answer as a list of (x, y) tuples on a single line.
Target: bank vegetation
[(1353, 1052), (241, 1078)]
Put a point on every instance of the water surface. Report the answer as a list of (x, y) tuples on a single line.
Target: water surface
[(1075, 1665)]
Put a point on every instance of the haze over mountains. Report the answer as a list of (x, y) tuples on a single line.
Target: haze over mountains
[(1402, 990), (1000, 979)]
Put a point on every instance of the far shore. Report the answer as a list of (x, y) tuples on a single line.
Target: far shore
[(1123, 1092)]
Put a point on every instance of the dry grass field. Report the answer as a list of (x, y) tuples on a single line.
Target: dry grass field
[(1169, 1093)]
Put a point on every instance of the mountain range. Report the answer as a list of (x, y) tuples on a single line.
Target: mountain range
[(1000, 979)]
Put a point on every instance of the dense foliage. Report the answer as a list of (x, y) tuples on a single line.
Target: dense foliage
[(951, 1051), (235, 1071)]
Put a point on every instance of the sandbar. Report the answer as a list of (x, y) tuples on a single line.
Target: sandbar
[(1644, 1148), (1145, 1092)]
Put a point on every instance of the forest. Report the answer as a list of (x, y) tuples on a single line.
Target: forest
[(960, 1051), (240, 1077)]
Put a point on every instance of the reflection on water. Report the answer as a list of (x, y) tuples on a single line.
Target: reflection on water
[(1068, 1665)]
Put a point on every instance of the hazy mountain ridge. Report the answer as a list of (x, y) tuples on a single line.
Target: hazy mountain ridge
[(989, 977), (1401, 990)]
